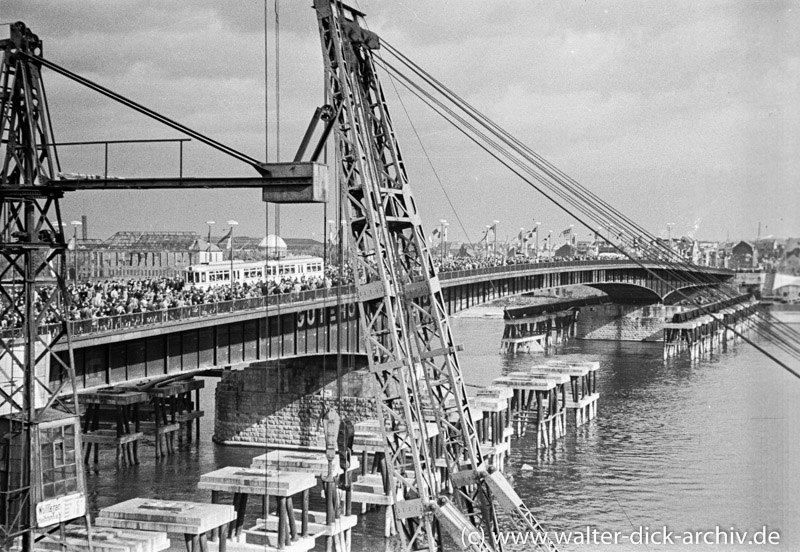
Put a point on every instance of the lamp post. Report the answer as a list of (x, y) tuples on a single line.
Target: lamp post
[(523, 243), (210, 223), (670, 225), (232, 223), (495, 236), (537, 240), (328, 231), (443, 239), (75, 224)]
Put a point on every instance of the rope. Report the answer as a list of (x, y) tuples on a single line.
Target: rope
[(578, 198)]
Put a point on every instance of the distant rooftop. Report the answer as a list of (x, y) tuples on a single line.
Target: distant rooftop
[(178, 241)]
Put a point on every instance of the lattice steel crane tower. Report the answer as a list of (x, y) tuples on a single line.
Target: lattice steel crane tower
[(42, 482), (406, 331), (41, 476)]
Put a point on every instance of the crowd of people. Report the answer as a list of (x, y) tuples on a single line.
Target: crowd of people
[(93, 300), (454, 264)]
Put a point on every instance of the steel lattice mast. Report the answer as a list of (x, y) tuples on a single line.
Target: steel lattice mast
[(42, 483), (406, 331)]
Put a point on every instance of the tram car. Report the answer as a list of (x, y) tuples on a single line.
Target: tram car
[(207, 275)]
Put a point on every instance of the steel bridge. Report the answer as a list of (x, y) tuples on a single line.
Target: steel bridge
[(119, 349)]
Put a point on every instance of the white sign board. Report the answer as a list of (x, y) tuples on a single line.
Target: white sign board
[(63, 508)]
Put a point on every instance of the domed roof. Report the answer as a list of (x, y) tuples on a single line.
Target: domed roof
[(273, 242)]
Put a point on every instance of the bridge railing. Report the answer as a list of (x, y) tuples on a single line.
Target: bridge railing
[(177, 314), (521, 267)]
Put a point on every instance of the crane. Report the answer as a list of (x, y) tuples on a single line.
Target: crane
[(407, 335), (42, 480)]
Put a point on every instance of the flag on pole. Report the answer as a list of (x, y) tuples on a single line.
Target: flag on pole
[(566, 232), (436, 233), (485, 235), (227, 238), (492, 228)]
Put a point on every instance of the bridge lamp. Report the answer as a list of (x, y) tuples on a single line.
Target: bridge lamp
[(327, 238), (75, 224), (443, 239), (210, 223), (233, 223)]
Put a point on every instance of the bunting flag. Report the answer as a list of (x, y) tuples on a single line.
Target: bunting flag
[(529, 235), (227, 237), (436, 233), (521, 235), (566, 232)]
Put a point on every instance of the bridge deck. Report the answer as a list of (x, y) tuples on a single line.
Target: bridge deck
[(130, 347)]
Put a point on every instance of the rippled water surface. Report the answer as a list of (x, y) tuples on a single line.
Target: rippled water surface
[(689, 446)]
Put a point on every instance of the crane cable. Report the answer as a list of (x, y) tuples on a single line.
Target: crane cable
[(516, 143), (569, 200), (546, 167), (572, 201)]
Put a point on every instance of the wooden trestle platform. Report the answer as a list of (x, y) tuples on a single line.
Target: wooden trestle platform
[(536, 334), (121, 416), (542, 395), (537, 400), (333, 524), (282, 480), (701, 334), (582, 397)]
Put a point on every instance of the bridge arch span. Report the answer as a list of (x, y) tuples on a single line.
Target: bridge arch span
[(628, 293), (673, 297)]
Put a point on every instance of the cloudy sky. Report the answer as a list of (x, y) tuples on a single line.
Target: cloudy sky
[(681, 112)]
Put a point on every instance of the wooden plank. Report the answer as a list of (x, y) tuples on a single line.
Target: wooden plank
[(257, 481), (146, 514)]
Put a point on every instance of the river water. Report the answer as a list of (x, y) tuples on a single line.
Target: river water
[(677, 447)]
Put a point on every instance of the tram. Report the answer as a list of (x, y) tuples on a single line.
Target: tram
[(207, 275)]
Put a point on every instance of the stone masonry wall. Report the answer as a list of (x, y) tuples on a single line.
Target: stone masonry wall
[(624, 322), (282, 402)]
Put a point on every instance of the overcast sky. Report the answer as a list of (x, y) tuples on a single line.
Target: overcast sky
[(682, 112)]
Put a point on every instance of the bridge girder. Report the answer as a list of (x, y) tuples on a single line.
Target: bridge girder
[(628, 293)]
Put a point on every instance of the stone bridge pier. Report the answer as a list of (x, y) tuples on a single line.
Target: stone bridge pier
[(282, 402)]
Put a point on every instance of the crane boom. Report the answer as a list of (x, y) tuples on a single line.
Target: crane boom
[(398, 289)]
